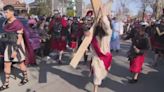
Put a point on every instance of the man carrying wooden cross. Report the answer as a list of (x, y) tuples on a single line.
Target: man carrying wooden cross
[(100, 34), (102, 58)]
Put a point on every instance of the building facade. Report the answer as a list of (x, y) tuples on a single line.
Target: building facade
[(19, 5), (65, 7), (52, 4), (79, 7)]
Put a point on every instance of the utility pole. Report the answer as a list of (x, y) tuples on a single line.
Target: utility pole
[(52, 6), (156, 9), (62, 7)]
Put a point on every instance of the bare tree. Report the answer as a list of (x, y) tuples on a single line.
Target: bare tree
[(156, 5), (122, 9), (157, 8), (145, 4), (42, 8)]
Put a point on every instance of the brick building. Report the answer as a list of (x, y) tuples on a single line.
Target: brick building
[(18, 4)]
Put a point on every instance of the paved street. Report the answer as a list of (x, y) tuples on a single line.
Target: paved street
[(51, 77)]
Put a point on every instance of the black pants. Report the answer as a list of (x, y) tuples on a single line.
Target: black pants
[(1, 64)]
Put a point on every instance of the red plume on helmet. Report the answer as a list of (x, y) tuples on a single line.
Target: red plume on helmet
[(89, 13)]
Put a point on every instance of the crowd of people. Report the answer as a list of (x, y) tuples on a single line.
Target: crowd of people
[(31, 36)]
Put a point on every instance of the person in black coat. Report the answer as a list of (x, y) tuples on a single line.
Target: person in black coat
[(136, 54)]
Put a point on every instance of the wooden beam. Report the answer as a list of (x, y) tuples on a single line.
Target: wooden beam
[(96, 4)]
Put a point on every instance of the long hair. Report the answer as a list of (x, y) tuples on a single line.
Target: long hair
[(99, 30)]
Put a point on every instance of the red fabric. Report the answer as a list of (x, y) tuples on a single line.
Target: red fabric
[(52, 22), (73, 44), (80, 30), (54, 43), (89, 13), (15, 26), (106, 58), (73, 36), (62, 45), (154, 44), (136, 64), (58, 44), (64, 22)]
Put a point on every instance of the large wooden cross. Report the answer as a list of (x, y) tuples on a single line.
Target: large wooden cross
[(96, 4)]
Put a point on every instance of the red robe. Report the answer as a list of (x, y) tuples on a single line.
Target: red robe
[(15, 26), (60, 43), (106, 58), (136, 64)]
